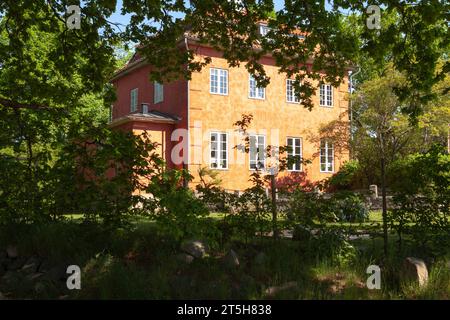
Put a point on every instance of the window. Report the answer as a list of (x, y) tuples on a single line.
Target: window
[(158, 93), (218, 81), (290, 92), (263, 30), (326, 95), (134, 100), (295, 153), (326, 156), (256, 92), (257, 152), (219, 150)]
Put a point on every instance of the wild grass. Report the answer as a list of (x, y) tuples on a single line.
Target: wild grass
[(142, 264)]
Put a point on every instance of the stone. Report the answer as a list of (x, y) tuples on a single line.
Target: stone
[(34, 276), (231, 259), (416, 270), (195, 248), (31, 266), (273, 291), (373, 191), (184, 258), (12, 252)]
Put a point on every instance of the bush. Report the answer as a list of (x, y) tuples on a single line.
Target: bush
[(309, 208), (421, 185), (331, 244), (349, 207), (251, 209), (346, 178), (175, 208)]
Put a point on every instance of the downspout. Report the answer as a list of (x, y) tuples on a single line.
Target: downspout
[(351, 103), (188, 107)]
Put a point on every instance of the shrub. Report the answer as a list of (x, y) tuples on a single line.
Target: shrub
[(331, 244), (345, 178), (421, 185), (251, 209), (211, 193), (309, 208), (349, 207), (175, 208)]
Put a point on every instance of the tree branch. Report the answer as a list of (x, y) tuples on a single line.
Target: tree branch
[(17, 105)]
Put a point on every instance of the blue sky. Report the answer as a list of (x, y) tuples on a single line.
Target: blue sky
[(118, 18)]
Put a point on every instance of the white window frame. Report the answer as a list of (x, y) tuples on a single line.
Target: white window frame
[(293, 153), (264, 30), (218, 159), (289, 83), (327, 151), (257, 90), (250, 153), (220, 77), (158, 92), (326, 96), (134, 97)]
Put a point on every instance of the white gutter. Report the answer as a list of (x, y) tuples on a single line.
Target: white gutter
[(351, 99), (188, 107)]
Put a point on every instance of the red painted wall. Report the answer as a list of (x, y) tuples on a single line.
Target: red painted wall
[(175, 95)]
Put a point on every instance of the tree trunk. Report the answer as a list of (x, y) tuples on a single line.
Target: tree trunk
[(274, 206), (384, 205)]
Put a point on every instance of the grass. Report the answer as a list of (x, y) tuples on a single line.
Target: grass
[(143, 264)]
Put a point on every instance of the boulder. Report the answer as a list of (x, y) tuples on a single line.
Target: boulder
[(31, 265), (415, 270), (12, 252), (273, 291), (184, 258), (34, 276), (231, 259), (195, 248)]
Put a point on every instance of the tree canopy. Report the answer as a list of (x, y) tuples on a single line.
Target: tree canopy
[(412, 35)]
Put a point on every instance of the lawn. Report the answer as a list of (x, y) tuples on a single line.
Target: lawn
[(143, 263)]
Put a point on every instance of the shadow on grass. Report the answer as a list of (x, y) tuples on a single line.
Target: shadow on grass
[(143, 264)]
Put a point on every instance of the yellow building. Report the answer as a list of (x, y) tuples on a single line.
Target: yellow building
[(193, 120)]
